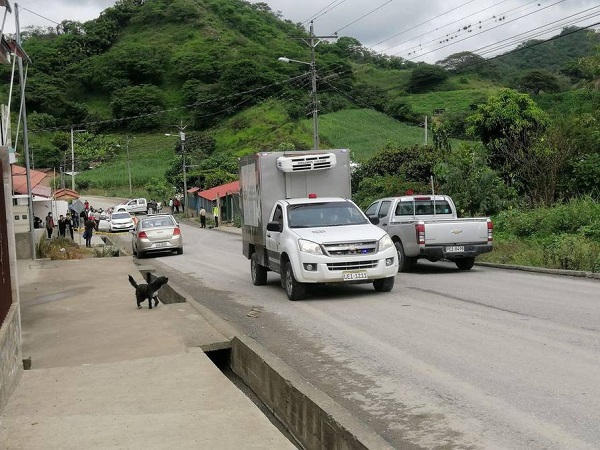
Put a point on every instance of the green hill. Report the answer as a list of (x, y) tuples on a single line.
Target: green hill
[(144, 66)]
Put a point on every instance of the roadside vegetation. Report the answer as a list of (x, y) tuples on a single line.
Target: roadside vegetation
[(515, 137)]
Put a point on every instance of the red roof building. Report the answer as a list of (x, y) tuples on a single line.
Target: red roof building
[(221, 191), (19, 181)]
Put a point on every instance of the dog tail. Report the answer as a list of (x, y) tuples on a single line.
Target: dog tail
[(132, 281)]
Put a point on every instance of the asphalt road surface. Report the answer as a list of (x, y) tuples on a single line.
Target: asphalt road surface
[(488, 358)]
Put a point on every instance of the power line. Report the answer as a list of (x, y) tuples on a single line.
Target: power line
[(324, 11), (362, 17)]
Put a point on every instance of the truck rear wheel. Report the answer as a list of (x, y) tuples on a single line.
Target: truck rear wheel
[(258, 272), (465, 263), (293, 289), (384, 284)]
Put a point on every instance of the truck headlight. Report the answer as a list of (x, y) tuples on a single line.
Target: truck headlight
[(309, 247), (385, 243)]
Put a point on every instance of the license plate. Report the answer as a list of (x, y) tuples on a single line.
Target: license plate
[(161, 244), (355, 275), (456, 249)]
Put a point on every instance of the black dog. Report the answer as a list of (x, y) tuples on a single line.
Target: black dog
[(148, 291)]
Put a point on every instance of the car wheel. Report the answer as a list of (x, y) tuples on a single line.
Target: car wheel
[(404, 263), (465, 263), (293, 289), (141, 255), (258, 272), (384, 284), (180, 251)]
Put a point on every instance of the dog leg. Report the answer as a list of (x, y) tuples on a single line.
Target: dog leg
[(149, 302), (156, 301)]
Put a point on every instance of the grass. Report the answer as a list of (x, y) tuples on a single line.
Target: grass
[(564, 236), (365, 132)]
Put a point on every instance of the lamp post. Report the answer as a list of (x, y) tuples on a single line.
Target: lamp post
[(314, 41), (129, 138), (73, 157), (182, 139), (315, 112)]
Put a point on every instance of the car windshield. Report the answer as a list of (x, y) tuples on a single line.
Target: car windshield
[(121, 216), (329, 214)]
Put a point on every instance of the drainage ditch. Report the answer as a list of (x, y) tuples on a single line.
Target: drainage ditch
[(222, 359)]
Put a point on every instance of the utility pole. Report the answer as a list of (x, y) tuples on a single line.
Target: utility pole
[(72, 161), (72, 158), (182, 138), (314, 41), (129, 165), (25, 136)]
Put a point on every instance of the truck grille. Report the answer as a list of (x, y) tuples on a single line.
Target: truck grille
[(351, 248), (352, 265)]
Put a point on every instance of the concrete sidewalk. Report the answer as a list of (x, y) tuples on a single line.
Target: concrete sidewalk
[(105, 374)]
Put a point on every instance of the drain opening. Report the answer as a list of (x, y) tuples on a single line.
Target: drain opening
[(222, 359)]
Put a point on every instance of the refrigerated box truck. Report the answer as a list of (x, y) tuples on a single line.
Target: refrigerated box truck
[(298, 221)]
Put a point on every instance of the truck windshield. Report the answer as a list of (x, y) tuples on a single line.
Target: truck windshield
[(330, 214)]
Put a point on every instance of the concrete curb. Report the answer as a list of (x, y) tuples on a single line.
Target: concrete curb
[(568, 273)]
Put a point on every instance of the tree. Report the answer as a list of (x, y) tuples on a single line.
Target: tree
[(410, 164), (512, 127), (425, 77), (538, 81), (473, 185), (142, 102)]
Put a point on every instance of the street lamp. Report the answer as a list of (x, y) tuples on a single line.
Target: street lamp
[(129, 138), (73, 157), (313, 42), (182, 139)]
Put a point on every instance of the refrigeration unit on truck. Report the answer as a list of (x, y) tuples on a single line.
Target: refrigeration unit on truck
[(298, 222)]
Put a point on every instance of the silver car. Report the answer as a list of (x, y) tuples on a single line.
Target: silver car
[(156, 233)]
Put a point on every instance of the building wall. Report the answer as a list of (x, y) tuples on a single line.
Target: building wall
[(11, 361)]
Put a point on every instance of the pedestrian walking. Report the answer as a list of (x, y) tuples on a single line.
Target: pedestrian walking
[(49, 225), (69, 225), (89, 227), (202, 218), (216, 215), (176, 204), (62, 226), (171, 205)]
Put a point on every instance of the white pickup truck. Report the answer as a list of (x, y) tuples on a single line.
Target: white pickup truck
[(427, 226), (294, 226), (133, 206)]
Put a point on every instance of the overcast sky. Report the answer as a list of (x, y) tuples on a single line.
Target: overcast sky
[(419, 30)]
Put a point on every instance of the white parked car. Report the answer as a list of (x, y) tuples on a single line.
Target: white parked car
[(117, 221)]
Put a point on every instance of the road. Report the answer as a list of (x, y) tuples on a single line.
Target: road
[(488, 358)]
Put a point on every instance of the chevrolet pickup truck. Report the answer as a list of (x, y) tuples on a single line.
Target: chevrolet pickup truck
[(427, 226)]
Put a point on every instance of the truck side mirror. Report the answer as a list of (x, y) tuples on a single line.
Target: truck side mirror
[(374, 220), (274, 226)]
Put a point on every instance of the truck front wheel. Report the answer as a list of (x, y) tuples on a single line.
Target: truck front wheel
[(465, 263), (404, 263), (258, 272), (293, 289), (384, 284)]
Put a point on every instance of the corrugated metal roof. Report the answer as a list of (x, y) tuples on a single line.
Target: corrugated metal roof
[(19, 180), (220, 191)]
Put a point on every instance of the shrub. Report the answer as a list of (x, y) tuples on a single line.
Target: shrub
[(571, 252)]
